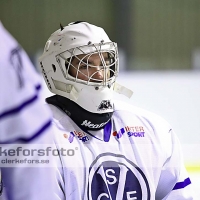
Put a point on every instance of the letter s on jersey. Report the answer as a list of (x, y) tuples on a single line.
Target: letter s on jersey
[(112, 176)]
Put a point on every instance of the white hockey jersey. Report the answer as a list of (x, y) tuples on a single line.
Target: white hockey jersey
[(136, 156), (24, 119)]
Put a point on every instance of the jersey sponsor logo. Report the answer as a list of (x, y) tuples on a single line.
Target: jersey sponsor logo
[(81, 136), (87, 123), (104, 105), (135, 131), (114, 177)]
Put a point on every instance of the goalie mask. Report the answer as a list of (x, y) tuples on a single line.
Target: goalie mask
[(81, 63)]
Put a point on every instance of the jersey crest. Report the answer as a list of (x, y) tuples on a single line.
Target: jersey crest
[(114, 177)]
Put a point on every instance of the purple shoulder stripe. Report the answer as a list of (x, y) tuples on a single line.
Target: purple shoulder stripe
[(32, 137), (183, 184), (22, 106)]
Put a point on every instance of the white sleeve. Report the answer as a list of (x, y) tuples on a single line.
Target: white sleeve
[(23, 120), (174, 181), (32, 183)]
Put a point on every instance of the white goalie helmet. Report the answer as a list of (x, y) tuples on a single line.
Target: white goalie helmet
[(69, 71)]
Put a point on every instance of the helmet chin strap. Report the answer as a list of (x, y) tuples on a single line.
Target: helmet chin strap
[(74, 93), (122, 90), (117, 88)]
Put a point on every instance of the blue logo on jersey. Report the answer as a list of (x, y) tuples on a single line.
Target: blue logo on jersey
[(113, 177), (135, 131), (81, 136)]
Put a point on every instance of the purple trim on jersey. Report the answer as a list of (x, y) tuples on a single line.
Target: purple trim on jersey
[(107, 131), (34, 135), (38, 87), (183, 184), (91, 134), (71, 137), (22, 106)]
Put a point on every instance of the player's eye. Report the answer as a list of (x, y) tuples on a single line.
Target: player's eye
[(83, 67), (109, 61)]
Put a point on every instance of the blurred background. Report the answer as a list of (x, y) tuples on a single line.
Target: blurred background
[(159, 46)]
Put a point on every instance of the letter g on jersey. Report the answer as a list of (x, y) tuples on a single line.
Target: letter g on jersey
[(114, 177)]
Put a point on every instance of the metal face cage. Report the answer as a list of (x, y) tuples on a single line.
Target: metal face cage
[(94, 64)]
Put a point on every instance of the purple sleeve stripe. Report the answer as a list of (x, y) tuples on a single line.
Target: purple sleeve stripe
[(33, 136), (38, 87), (22, 106), (183, 184)]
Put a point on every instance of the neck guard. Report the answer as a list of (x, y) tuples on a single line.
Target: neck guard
[(83, 118)]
